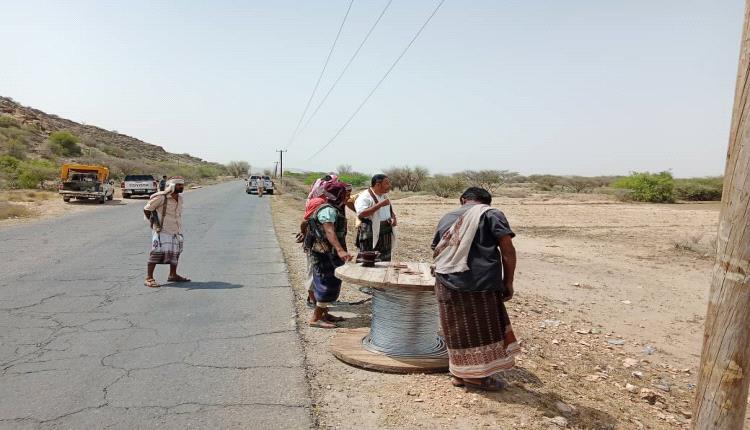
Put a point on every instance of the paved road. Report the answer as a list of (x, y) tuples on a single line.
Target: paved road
[(83, 344)]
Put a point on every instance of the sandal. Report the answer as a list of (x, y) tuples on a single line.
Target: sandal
[(332, 318), (486, 384), (151, 283), (457, 382), (178, 278), (322, 324)]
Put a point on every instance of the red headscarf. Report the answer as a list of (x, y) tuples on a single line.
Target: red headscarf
[(335, 193)]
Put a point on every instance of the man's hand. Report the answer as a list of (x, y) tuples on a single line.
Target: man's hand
[(394, 222), (384, 203), (508, 292), (343, 255)]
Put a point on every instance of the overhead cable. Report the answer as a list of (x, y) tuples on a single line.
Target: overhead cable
[(351, 60), (361, 105), (322, 72)]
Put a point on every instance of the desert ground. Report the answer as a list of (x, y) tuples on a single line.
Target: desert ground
[(609, 307)]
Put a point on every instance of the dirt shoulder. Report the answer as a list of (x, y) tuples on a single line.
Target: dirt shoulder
[(608, 309)]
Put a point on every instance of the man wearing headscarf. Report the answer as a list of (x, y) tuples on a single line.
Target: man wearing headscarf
[(164, 212), (325, 243)]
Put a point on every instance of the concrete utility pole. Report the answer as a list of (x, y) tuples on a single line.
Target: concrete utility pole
[(281, 164), (721, 397)]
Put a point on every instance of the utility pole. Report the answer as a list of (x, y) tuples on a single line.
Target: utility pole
[(721, 397), (281, 164)]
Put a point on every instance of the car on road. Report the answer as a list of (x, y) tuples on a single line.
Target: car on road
[(85, 182), (255, 180), (139, 185)]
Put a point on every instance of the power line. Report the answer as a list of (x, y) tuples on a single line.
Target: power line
[(328, 58), (356, 111), (351, 60)]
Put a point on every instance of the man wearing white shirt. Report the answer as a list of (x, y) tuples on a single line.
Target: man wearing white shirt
[(373, 206)]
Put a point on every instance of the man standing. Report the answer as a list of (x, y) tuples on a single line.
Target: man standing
[(163, 183), (373, 206), (325, 241), (474, 266), (164, 211)]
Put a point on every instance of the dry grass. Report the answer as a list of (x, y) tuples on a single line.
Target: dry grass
[(26, 196), (10, 210), (702, 244)]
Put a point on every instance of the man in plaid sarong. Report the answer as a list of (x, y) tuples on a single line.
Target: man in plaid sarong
[(164, 212), (475, 261)]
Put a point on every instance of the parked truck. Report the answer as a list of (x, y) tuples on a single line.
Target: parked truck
[(139, 185), (251, 187), (80, 181)]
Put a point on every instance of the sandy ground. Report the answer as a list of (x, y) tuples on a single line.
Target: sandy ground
[(609, 308)]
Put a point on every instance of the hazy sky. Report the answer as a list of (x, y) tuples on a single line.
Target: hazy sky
[(556, 86)]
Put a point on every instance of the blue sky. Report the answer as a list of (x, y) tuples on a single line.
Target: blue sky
[(563, 87)]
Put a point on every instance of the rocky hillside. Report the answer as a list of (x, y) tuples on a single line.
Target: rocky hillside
[(25, 135)]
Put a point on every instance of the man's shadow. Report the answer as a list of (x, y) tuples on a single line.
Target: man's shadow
[(210, 285), (518, 378)]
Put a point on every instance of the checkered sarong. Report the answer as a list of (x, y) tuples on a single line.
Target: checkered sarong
[(165, 248)]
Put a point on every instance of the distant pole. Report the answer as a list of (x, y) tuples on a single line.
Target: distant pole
[(281, 164), (275, 169), (721, 397)]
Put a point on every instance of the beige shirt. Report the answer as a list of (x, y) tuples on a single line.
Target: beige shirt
[(172, 221)]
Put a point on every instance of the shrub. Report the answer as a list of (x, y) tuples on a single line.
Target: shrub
[(407, 178), (345, 169), (490, 180), (8, 121), (699, 189), (238, 169), (446, 186), (546, 182), (113, 151), (648, 187), (16, 149), (33, 173), (64, 143)]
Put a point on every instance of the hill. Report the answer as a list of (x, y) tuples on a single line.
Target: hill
[(34, 140)]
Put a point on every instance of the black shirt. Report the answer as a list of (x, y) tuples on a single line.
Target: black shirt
[(485, 265)]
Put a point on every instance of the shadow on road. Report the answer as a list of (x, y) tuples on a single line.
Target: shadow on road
[(203, 285)]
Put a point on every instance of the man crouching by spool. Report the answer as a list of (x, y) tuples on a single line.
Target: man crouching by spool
[(325, 241), (474, 266)]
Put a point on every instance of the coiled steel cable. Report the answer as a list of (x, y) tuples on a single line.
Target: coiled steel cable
[(405, 324)]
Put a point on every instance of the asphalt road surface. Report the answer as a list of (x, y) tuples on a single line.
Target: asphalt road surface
[(83, 344)]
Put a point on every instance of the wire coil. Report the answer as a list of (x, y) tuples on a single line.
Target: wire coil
[(405, 324)]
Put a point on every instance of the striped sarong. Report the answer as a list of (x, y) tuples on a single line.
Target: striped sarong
[(477, 332), (385, 239), (165, 248)]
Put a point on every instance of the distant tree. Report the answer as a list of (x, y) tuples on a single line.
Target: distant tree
[(238, 169), (648, 187), (408, 178), (490, 180), (345, 169)]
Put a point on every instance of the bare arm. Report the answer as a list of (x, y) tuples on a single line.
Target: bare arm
[(374, 208), (508, 252), (334, 240)]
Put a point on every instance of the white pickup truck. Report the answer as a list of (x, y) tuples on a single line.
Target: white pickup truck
[(254, 180), (139, 185)]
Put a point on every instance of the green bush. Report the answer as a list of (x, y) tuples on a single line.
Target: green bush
[(648, 187), (65, 144), (8, 121), (699, 189), (355, 179), (33, 173), (446, 186), (16, 149)]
